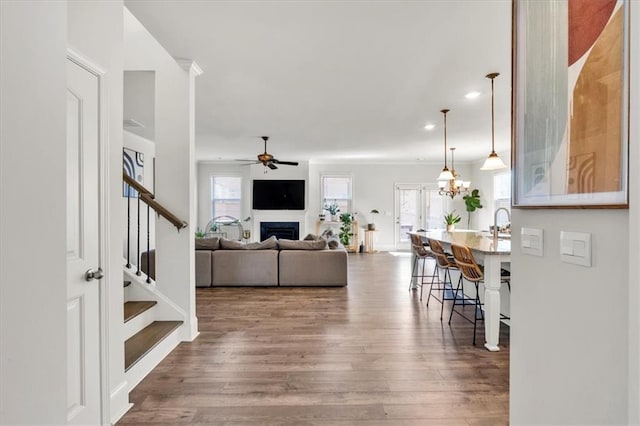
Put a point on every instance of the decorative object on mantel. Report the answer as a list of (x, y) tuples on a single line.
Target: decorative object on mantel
[(472, 202), (333, 210), (448, 181), (493, 162), (456, 185), (372, 226), (450, 219), (345, 229), (321, 217)]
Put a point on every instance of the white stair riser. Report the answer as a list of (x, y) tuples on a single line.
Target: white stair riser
[(136, 324), (143, 367)]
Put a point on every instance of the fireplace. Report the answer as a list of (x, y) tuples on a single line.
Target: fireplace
[(286, 230)]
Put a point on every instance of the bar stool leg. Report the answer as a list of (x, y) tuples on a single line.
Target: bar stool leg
[(424, 260), (413, 270), (436, 269)]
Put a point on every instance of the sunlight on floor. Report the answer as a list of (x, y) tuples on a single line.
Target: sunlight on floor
[(400, 253)]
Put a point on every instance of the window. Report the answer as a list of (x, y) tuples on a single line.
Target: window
[(337, 189), (226, 196), (502, 194)]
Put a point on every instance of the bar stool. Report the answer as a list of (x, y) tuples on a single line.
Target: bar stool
[(471, 271), (421, 253), (446, 263)]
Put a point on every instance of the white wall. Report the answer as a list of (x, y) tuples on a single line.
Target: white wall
[(574, 330), (95, 30), (373, 187), (634, 229), (174, 170), (33, 288), (139, 102)]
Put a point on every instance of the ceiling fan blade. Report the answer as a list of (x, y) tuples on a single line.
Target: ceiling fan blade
[(272, 166), (286, 163), (248, 161)]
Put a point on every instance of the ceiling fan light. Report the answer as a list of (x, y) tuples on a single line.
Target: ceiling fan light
[(445, 175), (493, 162)]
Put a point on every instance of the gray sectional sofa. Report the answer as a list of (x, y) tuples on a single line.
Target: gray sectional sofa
[(221, 262)]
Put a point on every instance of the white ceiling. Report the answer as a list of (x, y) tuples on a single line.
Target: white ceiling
[(341, 80)]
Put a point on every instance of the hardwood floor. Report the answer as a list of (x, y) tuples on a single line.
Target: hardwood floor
[(368, 354)]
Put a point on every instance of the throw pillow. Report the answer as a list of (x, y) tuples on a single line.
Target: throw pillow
[(327, 233), (302, 245), (311, 237), (270, 243), (333, 243), (212, 243)]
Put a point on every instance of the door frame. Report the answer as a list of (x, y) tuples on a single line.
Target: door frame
[(103, 227), (396, 212)]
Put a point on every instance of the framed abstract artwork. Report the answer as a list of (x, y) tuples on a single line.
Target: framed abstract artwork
[(133, 166), (570, 103)]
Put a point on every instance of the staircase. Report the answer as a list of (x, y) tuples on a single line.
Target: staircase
[(147, 339), (153, 322)]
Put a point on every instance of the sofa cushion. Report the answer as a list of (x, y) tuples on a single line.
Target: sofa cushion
[(270, 243), (212, 243), (313, 268), (320, 244), (245, 267)]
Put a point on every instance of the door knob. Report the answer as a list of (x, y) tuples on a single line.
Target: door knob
[(93, 275)]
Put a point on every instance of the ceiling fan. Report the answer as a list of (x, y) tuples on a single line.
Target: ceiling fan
[(267, 159)]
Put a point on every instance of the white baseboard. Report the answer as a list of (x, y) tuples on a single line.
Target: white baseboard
[(119, 403)]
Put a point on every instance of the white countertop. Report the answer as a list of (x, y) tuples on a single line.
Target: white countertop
[(476, 240)]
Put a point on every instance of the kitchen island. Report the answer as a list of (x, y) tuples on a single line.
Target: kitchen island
[(490, 252)]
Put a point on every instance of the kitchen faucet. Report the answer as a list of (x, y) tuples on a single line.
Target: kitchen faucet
[(495, 220)]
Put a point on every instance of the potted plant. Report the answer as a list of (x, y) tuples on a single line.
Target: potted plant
[(346, 232), (333, 210), (372, 226), (472, 201), (450, 219), (200, 233)]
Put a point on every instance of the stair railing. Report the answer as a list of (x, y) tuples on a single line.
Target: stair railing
[(148, 198)]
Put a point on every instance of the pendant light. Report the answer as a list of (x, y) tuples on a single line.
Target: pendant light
[(445, 175), (493, 162)]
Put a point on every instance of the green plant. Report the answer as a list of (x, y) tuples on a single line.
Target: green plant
[(200, 233), (472, 201), (345, 229), (214, 227), (452, 218), (332, 208)]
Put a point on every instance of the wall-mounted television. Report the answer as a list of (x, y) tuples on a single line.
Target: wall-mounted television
[(278, 194)]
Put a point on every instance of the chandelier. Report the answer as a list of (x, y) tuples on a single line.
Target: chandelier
[(448, 181), (455, 185)]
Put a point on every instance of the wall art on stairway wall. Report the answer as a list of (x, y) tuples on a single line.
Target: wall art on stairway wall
[(133, 165), (570, 103)]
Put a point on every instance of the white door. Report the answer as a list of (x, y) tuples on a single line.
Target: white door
[(409, 210), (83, 247)]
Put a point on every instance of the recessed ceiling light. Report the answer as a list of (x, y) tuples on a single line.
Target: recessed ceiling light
[(430, 126), (472, 95)]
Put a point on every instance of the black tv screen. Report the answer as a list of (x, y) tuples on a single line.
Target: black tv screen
[(278, 194)]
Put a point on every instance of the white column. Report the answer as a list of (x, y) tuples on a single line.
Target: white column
[(492, 302)]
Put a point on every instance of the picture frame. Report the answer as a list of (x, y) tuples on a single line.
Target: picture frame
[(570, 104), (133, 166)]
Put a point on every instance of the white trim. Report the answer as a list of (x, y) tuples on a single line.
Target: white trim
[(119, 401), (190, 66), (103, 220)]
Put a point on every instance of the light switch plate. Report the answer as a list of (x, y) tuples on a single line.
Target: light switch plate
[(575, 247), (531, 241)]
